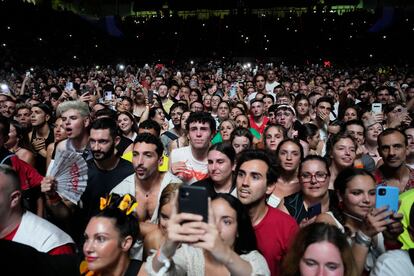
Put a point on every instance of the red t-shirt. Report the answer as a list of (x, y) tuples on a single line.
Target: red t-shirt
[(274, 234), (60, 250), (260, 128)]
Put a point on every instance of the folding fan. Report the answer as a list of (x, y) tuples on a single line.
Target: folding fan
[(71, 173)]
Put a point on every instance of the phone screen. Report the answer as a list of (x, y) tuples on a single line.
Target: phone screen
[(314, 210)]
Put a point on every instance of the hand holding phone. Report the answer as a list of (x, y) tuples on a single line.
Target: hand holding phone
[(376, 108), (387, 196), (314, 210), (194, 200)]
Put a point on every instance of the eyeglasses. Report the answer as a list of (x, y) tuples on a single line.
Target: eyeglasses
[(319, 176)]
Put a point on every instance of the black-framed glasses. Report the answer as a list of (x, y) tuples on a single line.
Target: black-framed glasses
[(319, 176)]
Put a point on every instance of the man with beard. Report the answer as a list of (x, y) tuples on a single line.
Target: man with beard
[(393, 148), (176, 111), (146, 183), (164, 98), (105, 171)]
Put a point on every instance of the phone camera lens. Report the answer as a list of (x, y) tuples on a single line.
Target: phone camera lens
[(382, 192)]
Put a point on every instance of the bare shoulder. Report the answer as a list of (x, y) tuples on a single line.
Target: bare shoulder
[(61, 145)]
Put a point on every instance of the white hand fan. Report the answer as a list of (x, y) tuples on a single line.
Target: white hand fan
[(71, 173)]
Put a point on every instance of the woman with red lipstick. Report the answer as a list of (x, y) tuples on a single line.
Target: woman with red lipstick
[(289, 153), (109, 236), (342, 152)]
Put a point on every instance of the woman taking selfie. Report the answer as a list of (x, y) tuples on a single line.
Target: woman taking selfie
[(109, 236), (355, 215), (225, 245)]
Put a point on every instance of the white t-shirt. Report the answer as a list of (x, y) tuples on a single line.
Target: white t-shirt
[(393, 263), (196, 170), (271, 86)]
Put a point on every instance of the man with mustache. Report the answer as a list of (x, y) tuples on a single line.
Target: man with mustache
[(146, 183), (393, 148), (105, 171)]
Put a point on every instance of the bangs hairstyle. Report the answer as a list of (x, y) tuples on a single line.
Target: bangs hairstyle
[(202, 117)]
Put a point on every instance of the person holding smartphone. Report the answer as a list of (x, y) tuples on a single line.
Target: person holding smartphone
[(226, 244), (369, 229)]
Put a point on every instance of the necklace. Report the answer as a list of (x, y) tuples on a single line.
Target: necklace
[(352, 216)]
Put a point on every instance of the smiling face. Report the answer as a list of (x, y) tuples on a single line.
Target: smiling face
[(125, 123), (321, 258), (103, 245), (359, 196), (344, 153)]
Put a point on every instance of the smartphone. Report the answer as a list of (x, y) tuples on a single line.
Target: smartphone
[(314, 210), (108, 95), (376, 108), (387, 196), (233, 90), (150, 96), (85, 89), (69, 86), (194, 200)]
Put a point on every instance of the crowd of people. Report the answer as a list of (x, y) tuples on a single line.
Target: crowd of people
[(290, 156)]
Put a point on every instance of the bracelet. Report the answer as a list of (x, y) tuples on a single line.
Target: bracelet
[(362, 239), (164, 260)]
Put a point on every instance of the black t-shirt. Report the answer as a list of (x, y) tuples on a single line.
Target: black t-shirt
[(100, 183), (209, 184), (123, 145)]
